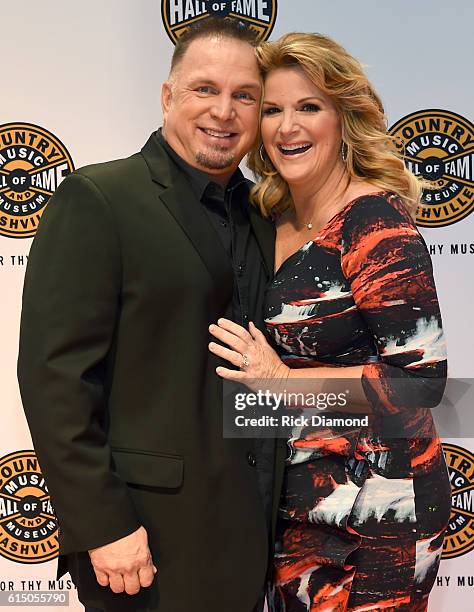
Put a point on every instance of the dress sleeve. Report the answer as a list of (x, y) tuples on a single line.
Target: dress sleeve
[(386, 261)]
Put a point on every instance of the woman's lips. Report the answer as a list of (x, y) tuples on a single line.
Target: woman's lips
[(294, 149)]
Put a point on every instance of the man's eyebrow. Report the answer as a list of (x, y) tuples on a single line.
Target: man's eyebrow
[(207, 81), (249, 86)]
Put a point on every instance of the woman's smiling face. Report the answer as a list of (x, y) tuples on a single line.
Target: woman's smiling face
[(301, 129)]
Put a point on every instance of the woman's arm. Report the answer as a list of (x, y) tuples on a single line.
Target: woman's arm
[(265, 369)]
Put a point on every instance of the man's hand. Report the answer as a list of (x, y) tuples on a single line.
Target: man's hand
[(126, 564)]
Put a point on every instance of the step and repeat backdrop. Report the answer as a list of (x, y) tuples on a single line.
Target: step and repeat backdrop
[(80, 83)]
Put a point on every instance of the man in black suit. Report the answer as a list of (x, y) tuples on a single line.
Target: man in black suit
[(131, 263)]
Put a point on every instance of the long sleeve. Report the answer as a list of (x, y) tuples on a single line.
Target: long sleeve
[(70, 310), (389, 269)]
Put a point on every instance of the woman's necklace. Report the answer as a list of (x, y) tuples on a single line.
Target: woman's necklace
[(309, 224)]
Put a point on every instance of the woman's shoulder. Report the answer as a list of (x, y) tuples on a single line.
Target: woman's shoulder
[(377, 207)]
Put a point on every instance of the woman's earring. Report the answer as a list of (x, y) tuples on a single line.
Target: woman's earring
[(344, 149), (261, 150)]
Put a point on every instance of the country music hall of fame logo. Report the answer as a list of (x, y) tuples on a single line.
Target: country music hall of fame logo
[(459, 539), (33, 162), (438, 145), (28, 526), (178, 15)]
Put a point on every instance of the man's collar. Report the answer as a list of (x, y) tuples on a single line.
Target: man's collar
[(198, 178), (194, 221)]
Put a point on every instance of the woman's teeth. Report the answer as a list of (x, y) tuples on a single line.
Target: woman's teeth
[(294, 149)]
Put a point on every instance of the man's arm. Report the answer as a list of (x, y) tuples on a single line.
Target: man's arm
[(71, 303)]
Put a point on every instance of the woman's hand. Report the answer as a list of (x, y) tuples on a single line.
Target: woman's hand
[(248, 350)]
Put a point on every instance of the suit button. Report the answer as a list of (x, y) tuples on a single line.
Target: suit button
[(251, 460)]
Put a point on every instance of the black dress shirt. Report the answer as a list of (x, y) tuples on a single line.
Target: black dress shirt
[(227, 209)]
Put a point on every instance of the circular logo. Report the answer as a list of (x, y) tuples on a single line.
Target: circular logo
[(32, 164), (28, 527), (178, 15), (439, 146), (459, 538)]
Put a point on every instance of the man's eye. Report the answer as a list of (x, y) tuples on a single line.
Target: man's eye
[(310, 108), (205, 89), (270, 110), (243, 95)]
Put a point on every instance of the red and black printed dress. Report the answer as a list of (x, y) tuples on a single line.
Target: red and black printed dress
[(362, 515)]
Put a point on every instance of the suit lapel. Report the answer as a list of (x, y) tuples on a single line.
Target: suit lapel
[(179, 198), (190, 214)]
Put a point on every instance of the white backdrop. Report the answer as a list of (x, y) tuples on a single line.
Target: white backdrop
[(90, 74)]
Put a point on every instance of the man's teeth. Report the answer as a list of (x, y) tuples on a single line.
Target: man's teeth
[(217, 134), (295, 148)]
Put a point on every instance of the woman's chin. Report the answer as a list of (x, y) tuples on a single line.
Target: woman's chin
[(295, 178)]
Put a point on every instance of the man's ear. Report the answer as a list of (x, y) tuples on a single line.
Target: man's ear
[(166, 97)]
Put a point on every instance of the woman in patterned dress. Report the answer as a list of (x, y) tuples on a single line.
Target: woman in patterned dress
[(363, 512)]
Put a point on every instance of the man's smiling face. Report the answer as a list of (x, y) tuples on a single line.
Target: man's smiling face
[(211, 104)]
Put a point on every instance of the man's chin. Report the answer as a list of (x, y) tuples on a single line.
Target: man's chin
[(213, 161)]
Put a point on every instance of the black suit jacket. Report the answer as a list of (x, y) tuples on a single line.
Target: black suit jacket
[(120, 391)]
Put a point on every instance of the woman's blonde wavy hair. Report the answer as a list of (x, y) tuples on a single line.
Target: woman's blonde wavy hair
[(371, 152)]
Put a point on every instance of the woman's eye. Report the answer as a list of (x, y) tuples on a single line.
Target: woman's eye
[(310, 108), (270, 110)]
